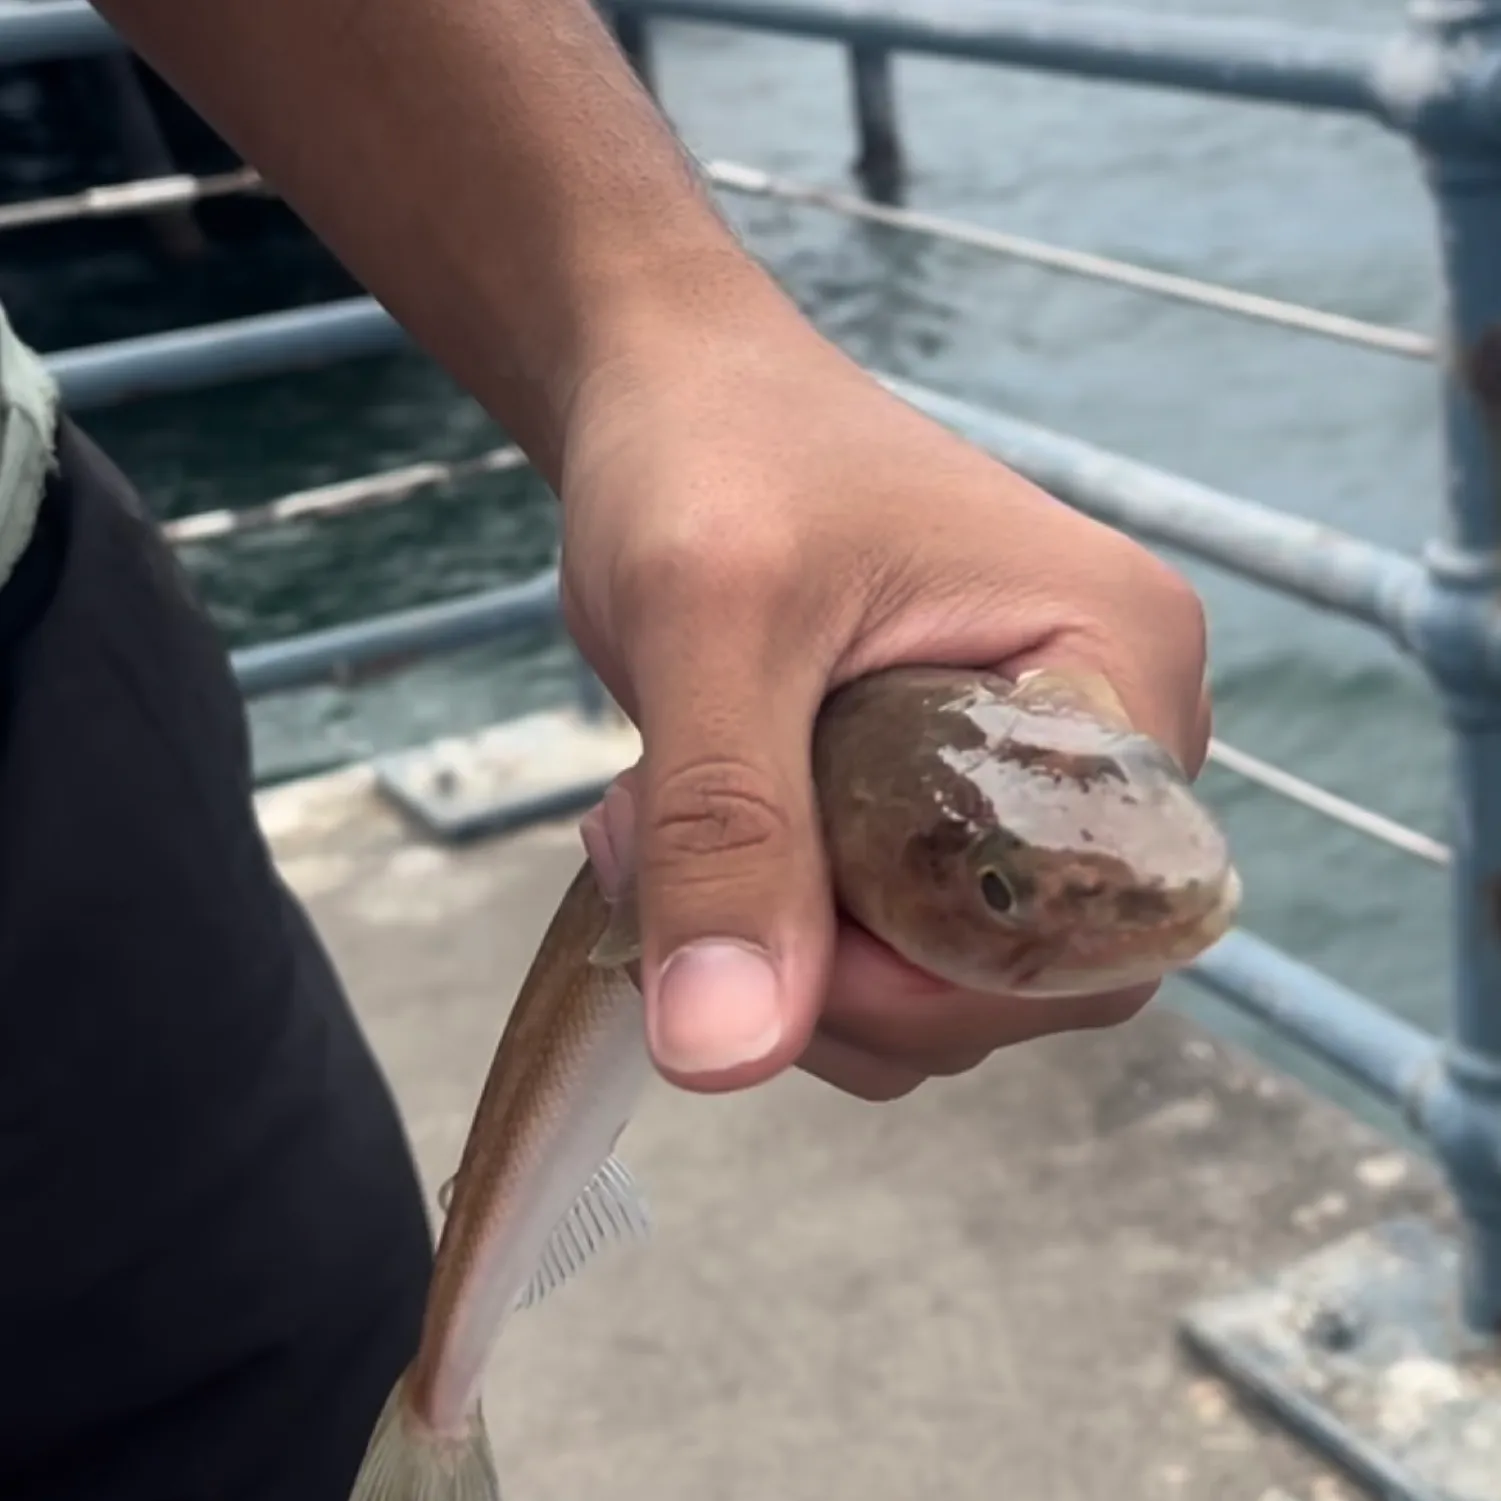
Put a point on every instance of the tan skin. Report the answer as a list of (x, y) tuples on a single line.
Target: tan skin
[(748, 518), (890, 541)]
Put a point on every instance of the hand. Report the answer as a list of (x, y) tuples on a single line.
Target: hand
[(748, 521)]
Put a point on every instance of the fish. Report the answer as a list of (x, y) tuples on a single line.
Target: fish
[(1013, 836), (1017, 838)]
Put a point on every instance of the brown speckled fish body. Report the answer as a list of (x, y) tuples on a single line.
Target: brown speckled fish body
[(1016, 837)]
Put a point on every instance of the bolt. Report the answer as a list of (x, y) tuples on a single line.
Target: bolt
[(1332, 1329)]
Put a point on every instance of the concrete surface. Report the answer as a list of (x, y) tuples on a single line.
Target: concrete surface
[(969, 1293)]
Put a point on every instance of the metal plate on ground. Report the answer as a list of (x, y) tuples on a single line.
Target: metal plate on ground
[(544, 765), (1361, 1350)]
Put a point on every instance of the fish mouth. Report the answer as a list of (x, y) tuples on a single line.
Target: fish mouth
[(1186, 941), (1216, 921)]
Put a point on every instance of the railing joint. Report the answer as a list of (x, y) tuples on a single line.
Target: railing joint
[(1457, 1108), (1449, 618), (1438, 80)]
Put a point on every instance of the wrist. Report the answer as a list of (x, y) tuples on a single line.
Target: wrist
[(538, 366), (669, 311), (654, 347)]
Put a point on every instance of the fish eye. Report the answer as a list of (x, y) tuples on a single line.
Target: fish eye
[(996, 890)]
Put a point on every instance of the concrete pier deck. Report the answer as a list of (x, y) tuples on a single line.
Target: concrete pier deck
[(972, 1292)]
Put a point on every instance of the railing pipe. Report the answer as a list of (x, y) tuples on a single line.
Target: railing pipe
[(146, 153), (879, 164), (1284, 552), (633, 34), (394, 640), (1462, 1112), (215, 354), (1365, 1042), (1247, 60), (1299, 557), (51, 30)]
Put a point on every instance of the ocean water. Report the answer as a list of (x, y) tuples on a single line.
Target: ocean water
[(1319, 209)]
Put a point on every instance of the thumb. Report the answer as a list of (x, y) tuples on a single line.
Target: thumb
[(736, 917)]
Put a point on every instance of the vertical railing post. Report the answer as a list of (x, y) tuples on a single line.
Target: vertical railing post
[(879, 164), (143, 146), (633, 33), (1461, 1109)]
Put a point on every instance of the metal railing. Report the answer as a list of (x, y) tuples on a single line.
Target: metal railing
[(116, 200), (1438, 83)]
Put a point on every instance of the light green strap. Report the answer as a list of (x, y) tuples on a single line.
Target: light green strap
[(28, 426)]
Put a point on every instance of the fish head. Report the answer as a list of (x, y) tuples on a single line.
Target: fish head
[(1016, 838)]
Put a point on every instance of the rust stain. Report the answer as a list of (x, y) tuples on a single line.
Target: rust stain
[(1492, 902), (1482, 373), (348, 674)]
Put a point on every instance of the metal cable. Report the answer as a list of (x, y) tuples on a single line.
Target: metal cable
[(1339, 809), (163, 192), (1401, 341), (116, 199), (344, 498)]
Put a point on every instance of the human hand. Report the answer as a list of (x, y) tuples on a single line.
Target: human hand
[(750, 520)]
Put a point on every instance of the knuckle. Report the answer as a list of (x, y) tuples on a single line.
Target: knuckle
[(1147, 577), (1154, 627), (714, 807), (1177, 606), (708, 558)]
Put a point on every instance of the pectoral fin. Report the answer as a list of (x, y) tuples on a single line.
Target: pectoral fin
[(609, 1210)]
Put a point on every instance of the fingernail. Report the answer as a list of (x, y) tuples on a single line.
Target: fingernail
[(717, 1007)]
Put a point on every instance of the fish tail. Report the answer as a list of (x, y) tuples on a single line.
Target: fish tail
[(407, 1461)]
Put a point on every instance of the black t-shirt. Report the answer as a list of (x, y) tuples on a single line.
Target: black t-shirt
[(213, 1251)]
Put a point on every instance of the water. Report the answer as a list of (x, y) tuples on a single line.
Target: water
[(1323, 210)]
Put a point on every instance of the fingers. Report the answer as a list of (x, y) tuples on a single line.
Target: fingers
[(1175, 716), (1158, 671), (885, 1027), (858, 1072), (880, 1042), (889, 1012), (720, 825), (873, 1076), (737, 919), (609, 833)]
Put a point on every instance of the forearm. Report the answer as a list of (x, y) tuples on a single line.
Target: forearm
[(490, 169)]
